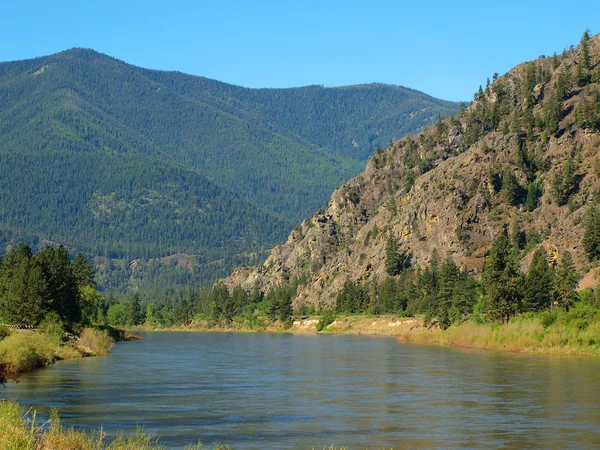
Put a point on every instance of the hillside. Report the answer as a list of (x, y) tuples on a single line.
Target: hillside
[(166, 178), (522, 158)]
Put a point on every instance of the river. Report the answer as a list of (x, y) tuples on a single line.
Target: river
[(261, 391)]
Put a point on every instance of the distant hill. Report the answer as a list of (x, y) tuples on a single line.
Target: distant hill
[(152, 172)]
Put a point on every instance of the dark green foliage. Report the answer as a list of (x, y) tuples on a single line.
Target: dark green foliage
[(566, 281), (352, 299), (587, 111), (454, 297), (533, 195), (83, 271), (279, 302), (327, 318), (395, 260), (584, 63), (591, 234), (538, 288), (32, 286), (134, 311), (517, 235), (502, 280), (553, 108), (565, 183), (125, 163), (512, 191)]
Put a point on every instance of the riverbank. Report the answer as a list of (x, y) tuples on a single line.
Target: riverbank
[(19, 431), (22, 351), (575, 333)]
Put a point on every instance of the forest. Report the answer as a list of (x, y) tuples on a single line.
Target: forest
[(127, 165)]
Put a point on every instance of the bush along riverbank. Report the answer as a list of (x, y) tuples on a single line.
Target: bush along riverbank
[(22, 351), (20, 431)]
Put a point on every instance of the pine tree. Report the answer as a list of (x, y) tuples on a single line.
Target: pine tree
[(584, 63), (511, 189), (393, 259), (517, 235), (533, 194), (566, 281), (134, 313), (591, 234), (538, 289), (83, 271), (502, 280)]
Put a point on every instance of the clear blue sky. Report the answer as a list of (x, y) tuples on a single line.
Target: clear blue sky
[(443, 48)]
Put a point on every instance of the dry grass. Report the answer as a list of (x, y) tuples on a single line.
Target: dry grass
[(577, 332), (24, 352), (98, 341)]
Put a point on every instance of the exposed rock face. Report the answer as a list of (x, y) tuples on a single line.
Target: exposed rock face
[(441, 189)]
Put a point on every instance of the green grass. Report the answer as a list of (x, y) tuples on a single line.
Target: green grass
[(19, 431), (575, 332)]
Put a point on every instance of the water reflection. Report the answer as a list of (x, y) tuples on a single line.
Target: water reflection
[(256, 391)]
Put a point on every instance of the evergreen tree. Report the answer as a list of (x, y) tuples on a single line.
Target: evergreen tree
[(566, 281), (591, 234), (502, 280), (533, 195), (584, 64), (517, 235), (538, 289), (83, 271), (511, 189), (285, 309), (134, 311), (63, 294), (393, 258)]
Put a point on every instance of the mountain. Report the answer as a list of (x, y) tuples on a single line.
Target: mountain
[(153, 173), (522, 158)]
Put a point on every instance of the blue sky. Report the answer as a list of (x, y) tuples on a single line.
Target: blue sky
[(445, 49)]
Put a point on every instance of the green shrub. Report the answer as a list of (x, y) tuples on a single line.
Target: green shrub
[(23, 352), (98, 341), (53, 327), (548, 318), (4, 332), (327, 318)]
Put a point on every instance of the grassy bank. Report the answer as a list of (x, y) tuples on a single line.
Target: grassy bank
[(18, 431), (24, 351), (576, 332)]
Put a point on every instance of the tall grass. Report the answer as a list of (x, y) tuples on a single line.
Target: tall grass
[(23, 352), (98, 341), (577, 331), (18, 431)]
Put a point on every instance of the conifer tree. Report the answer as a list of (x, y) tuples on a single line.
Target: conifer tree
[(591, 234), (566, 281), (533, 194), (538, 289), (394, 260), (502, 280)]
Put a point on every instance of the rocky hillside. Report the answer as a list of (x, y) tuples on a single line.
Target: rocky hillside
[(524, 156)]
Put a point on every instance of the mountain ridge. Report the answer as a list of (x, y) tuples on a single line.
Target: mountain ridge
[(93, 125), (459, 184)]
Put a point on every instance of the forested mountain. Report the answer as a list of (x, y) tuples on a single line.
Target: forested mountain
[(506, 187), (153, 173)]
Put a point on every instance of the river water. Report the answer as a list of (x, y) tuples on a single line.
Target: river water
[(284, 391)]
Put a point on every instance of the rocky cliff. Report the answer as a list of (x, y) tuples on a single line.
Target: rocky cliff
[(523, 157)]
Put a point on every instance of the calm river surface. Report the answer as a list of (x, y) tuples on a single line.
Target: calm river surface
[(257, 391)]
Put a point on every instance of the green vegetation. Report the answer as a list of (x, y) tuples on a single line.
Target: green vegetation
[(574, 332), (22, 352), (19, 431), (131, 166), (46, 289)]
